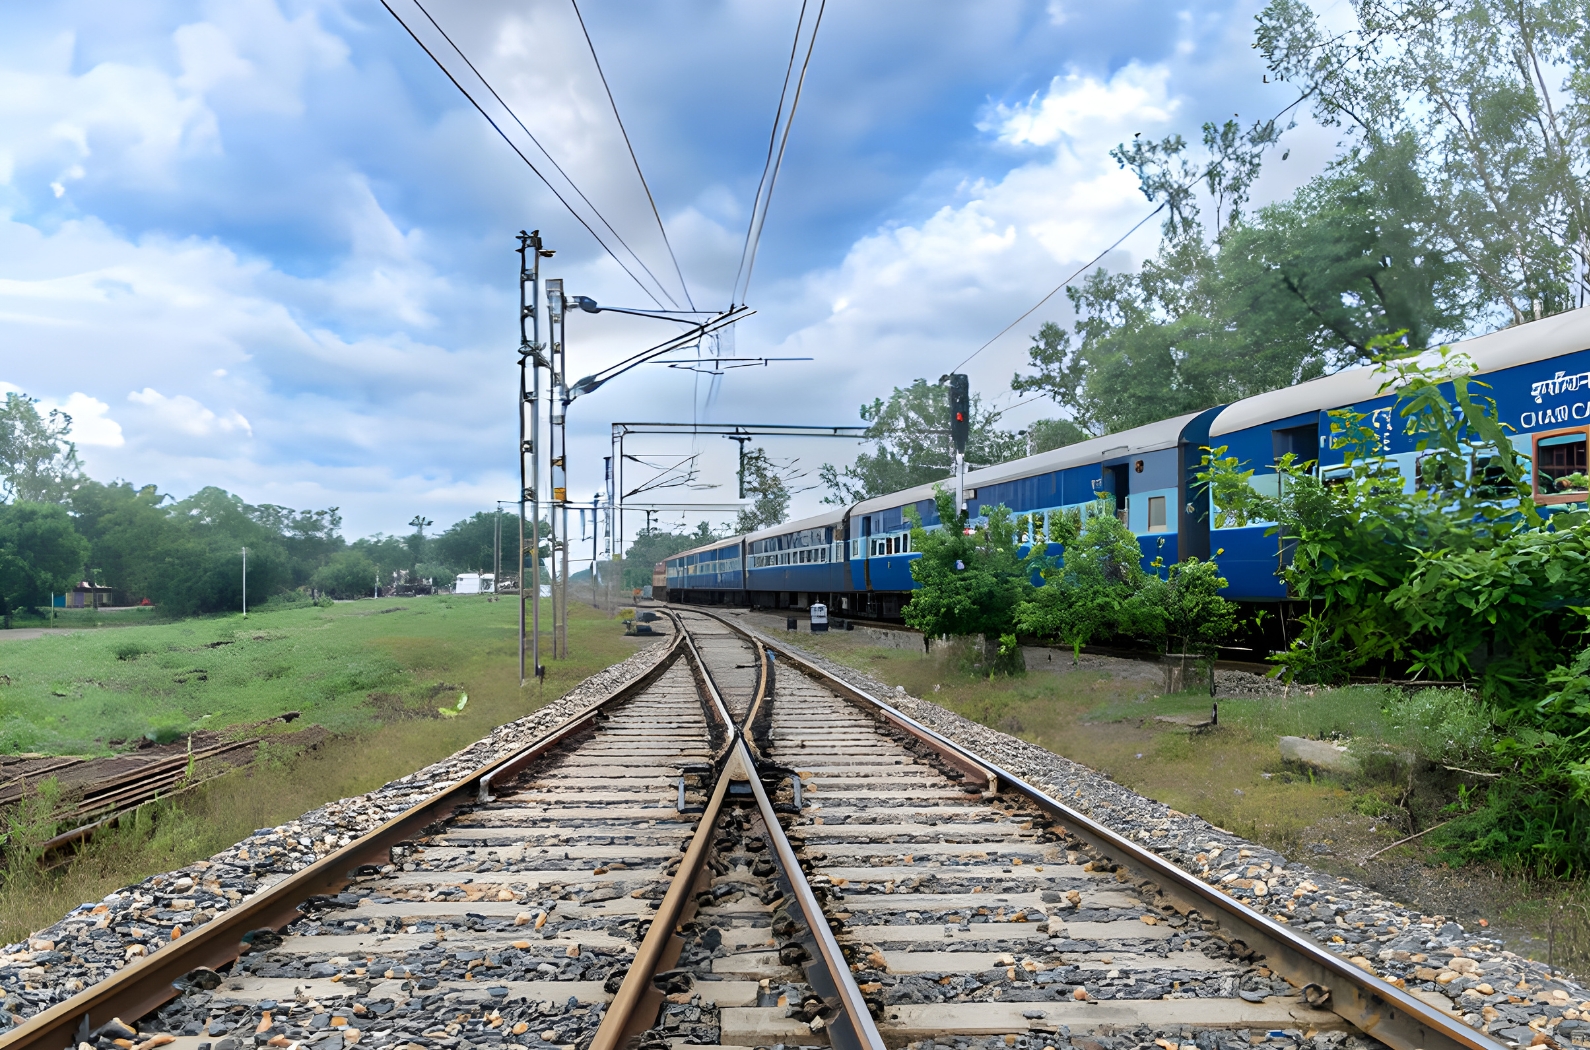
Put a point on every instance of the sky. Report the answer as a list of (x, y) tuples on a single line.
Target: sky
[(268, 245)]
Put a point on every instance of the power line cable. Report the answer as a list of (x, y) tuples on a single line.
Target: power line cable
[(775, 150), (559, 168), (1114, 245), (772, 144), (572, 186), (684, 286), (783, 144)]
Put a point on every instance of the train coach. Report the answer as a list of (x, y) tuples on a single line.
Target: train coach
[(856, 559)]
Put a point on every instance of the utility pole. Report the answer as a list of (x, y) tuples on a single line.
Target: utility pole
[(740, 439), (557, 333), (245, 583), (531, 361), (607, 469), (496, 539)]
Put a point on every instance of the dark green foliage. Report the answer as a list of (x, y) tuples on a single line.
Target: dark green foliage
[(1090, 591), (348, 574), (1462, 578), (911, 444), (471, 545), (1047, 434), (1099, 590), (40, 554), (654, 545), (1183, 611), (38, 464), (766, 484), (969, 584), (1297, 290)]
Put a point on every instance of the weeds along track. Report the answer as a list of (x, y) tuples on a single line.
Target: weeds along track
[(736, 849)]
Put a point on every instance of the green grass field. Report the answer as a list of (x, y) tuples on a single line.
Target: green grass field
[(349, 667), (372, 673)]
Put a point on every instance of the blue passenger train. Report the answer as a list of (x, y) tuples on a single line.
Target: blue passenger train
[(856, 560)]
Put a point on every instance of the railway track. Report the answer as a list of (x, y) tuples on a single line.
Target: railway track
[(737, 849)]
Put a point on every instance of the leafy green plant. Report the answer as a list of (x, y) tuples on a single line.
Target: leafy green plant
[(970, 581), (1087, 593), (29, 824), (1463, 577)]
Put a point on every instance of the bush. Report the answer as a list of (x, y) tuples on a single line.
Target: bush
[(969, 584), (1099, 589), (1464, 577), (348, 574)]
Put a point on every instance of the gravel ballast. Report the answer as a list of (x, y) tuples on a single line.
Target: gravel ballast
[(99, 938), (1518, 1000)]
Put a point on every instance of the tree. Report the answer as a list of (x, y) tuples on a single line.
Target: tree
[(1461, 578), (911, 444), (40, 553), (762, 481), (969, 584), (470, 545), (1491, 97), (1094, 589), (653, 545), (1048, 434), (348, 574), (1297, 291), (37, 461), (1184, 609), (388, 553)]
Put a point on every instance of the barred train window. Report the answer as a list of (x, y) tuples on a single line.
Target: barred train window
[(1560, 467)]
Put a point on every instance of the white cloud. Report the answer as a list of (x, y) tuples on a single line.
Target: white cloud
[(277, 225), (91, 423), (184, 415), (921, 296), (1077, 108)]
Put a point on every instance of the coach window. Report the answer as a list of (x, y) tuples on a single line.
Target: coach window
[(1560, 467), (1156, 514)]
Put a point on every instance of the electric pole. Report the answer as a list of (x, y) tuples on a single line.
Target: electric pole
[(558, 447), (245, 583), (530, 364), (740, 439)]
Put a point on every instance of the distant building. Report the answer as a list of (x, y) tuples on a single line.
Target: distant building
[(474, 583), (88, 595)]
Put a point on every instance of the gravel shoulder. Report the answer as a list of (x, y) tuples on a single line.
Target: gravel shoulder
[(99, 938), (1468, 974)]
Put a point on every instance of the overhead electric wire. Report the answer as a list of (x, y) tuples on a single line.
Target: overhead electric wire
[(775, 161), (772, 144), (1114, 245), (683, 285), (528, 162)]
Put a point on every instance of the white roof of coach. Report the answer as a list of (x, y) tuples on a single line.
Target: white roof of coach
[(829, 517), (1147, 438), (1562, 333)]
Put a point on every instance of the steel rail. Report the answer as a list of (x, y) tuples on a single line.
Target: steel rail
[(717, 710), (143, 986), (634, 1008), (854, 1026), (1371, 1004), (856, 1029)]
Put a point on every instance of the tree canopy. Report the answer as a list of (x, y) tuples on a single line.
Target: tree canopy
[(910, 438)]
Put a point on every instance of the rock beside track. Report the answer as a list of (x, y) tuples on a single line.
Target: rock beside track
[(1494, 990), (99, 938)]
